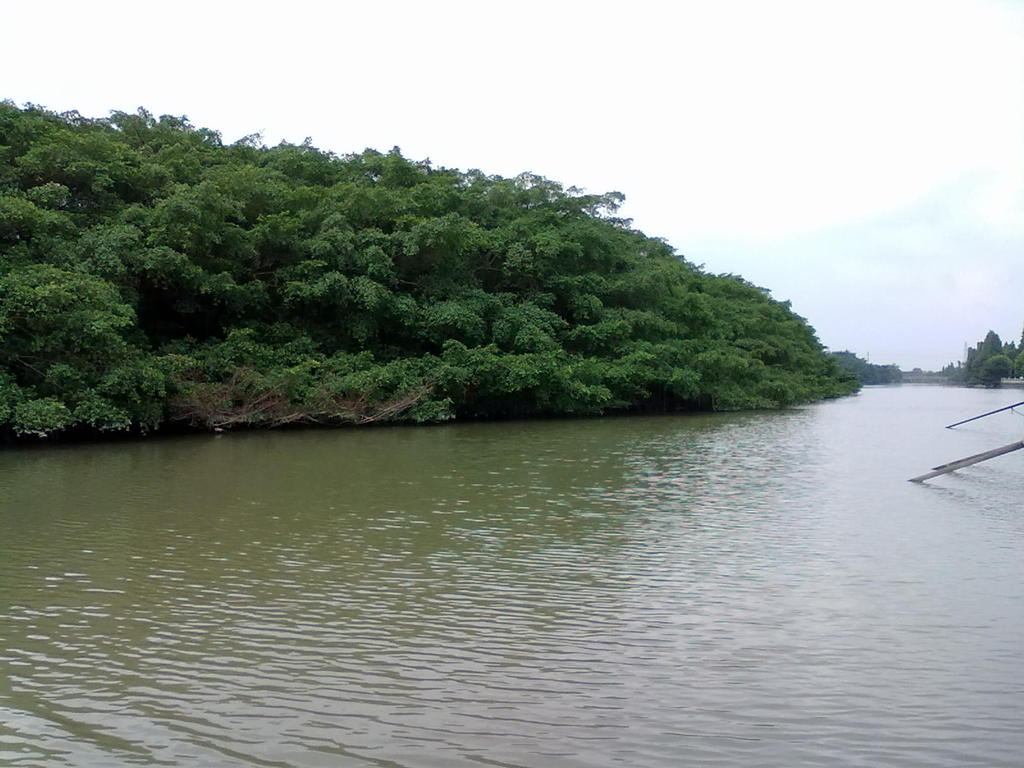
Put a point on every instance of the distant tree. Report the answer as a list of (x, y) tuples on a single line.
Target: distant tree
[(994, 369), (865, 372), (988, 362)]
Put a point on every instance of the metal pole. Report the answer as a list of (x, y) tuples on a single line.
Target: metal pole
[(997, 410)]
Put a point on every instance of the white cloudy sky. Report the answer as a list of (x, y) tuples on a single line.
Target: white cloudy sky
[(862, 159)]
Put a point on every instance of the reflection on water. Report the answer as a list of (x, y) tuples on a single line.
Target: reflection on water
[(752, 589)]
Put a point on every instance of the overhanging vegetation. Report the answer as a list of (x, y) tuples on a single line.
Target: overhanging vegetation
[(151, 273)]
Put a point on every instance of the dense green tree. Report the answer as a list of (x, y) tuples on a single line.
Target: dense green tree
[(987, 363), (150, 273), (995, 369)]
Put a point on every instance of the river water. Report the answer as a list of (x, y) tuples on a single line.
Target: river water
[(757, 589)]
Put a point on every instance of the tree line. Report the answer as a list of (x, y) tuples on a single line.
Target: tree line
[(152, 274), (988, 362), (866, 372)]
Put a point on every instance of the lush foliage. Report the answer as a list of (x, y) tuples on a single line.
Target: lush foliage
[(988, 362), (865, 372), (151, 273)]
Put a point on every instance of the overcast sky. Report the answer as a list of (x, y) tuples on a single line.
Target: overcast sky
[(863, 160)]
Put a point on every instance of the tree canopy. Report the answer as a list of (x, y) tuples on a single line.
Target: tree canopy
[(990, 361), (152, 274)]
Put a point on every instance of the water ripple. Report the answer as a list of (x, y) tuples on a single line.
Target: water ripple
[(710, 590)]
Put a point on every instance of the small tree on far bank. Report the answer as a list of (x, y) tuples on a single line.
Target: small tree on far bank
[(995, 369)]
